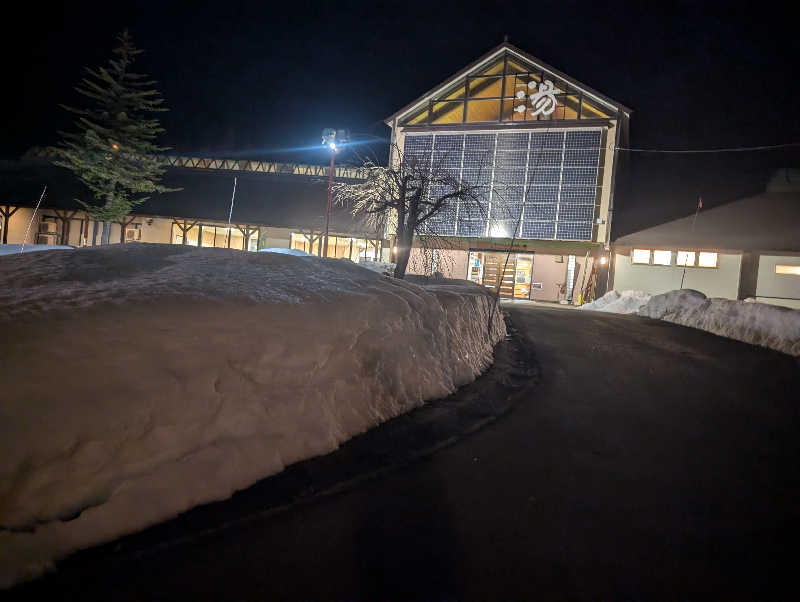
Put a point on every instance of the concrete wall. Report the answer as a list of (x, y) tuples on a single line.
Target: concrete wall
[(18, 224), (786, 287), (722, 281)]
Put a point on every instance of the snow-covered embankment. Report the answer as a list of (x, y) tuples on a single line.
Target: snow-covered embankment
[(769, 326), (141, 380)]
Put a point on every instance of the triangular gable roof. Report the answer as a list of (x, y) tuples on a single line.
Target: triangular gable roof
[(765, 222), (493, 54)]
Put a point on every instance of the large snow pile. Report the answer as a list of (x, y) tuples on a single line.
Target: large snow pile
[(141, 380), (15, 249), (284, 251), (381, 267), (770, 326), (626, 302)]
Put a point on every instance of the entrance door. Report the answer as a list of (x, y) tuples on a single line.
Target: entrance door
[(512, 273)]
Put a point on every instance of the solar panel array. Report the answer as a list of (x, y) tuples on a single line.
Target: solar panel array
[(543, 184)]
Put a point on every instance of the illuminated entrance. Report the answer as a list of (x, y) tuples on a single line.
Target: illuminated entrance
[(511, 272)]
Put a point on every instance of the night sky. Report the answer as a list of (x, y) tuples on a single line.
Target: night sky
[(256, 80)]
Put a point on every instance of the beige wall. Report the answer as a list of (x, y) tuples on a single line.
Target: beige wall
[(722, 281), (452, 263), (605, 193), (18, 224), (784, 286), (276, 238)]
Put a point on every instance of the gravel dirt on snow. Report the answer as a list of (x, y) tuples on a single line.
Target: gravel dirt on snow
[(142, 380)]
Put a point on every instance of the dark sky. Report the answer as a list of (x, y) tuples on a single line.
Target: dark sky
[(258, 80)]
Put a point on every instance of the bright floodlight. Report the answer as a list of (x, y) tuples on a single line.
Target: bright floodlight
[(332, 145)]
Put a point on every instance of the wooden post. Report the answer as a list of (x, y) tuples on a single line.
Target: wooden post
[(200, 235), (6, 213)]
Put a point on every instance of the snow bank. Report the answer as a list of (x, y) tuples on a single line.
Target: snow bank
[(626, 302), (770, 326), (12, 249), (381, 267), (141, 380), (284, 251)]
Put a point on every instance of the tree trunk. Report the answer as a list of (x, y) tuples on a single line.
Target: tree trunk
[(121, 233), (404, 240), (104, 238), (94, 232)]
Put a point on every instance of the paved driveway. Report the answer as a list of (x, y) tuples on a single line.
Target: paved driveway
[(651, 461)]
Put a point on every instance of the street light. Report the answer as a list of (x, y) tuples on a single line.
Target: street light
[(331, 138)]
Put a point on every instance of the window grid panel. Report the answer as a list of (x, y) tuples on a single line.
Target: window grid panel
[(544, 158), (576, 212), (538, 229), (471, 228), (513, 141), (554, 172), (574, 230), (509, 159), (583, 157), (579, 176), (540, 211), (583, 139), (547, 140), (542, 194), (579, 195), (545, 176)]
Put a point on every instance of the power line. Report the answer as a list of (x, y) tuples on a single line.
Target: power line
[(708, 150)]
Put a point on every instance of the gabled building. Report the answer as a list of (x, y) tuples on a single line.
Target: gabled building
[(749, 248), (543, 146)]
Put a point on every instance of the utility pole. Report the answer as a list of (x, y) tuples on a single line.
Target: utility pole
[(332, 139)]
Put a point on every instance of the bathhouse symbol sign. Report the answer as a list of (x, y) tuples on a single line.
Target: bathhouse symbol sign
[(542, 101)]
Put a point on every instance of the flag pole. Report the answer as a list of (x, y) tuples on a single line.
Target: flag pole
[(694, 219)]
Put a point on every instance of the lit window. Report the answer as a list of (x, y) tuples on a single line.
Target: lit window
[(640, 256), (662, 257), (685, 259), (790, 270), (707, 260)]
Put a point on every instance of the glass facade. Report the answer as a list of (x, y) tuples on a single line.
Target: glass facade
[(339, 247), (502, 92), (536, 184)]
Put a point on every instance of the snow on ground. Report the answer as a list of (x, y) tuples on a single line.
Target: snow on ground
[(770, 326), (285, 251), (382, 267), (12, 249), (626, 302), (141, 380)]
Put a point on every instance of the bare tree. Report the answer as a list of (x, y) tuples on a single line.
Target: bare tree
[(404, 198)]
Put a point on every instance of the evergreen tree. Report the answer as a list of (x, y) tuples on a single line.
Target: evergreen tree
[(114, 151)]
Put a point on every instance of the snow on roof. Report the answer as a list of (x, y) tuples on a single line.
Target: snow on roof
[(769, 221)]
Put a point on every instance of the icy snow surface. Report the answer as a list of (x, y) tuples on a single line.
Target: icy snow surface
[(770, 326), (12, 249), (284, 251), (141, 380), (626, 302)]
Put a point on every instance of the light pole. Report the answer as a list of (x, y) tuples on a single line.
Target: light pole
[(331, 138)]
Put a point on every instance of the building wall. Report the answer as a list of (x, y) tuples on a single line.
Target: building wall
[(605, 194), (18, 224), (276, 238), (551, 273), (451, 264), (778, 289), (722, 281)]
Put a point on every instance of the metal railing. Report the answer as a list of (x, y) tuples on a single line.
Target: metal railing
[(296, 169)]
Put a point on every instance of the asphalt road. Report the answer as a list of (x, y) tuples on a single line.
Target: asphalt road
[(649, 461)]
